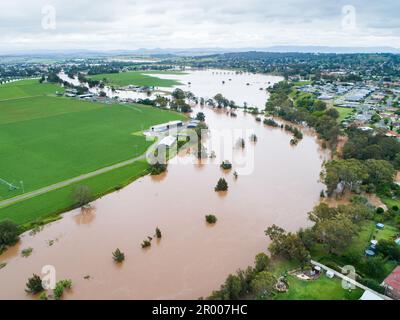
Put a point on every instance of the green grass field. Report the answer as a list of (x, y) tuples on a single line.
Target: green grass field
[(343, 113), (321, 289), (139, 78), (302, 83), (47, 139), (27, 88), (49, 204)]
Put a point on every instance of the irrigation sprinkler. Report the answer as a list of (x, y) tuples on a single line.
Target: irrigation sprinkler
[(11, 187)]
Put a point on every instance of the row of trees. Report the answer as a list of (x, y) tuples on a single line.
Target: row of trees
[(296, 107)]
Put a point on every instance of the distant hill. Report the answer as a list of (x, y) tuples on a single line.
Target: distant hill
[(199, 51), (327, 49)]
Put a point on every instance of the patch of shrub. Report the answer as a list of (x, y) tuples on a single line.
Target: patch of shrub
[(9, 232), (157, 168), (211, 219), (372, 284), (43, 296), (118, 256), (158, 233), (26, 252), (146, 243), (388, 248), (60, 287), (271, 123), (34, 284), (222, 185)]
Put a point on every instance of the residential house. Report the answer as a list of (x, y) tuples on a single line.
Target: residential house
[(392, 284)]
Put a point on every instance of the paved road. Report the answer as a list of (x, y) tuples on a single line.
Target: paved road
[(349, 280), (68, 182)]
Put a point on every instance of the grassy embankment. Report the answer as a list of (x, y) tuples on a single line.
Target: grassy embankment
[(139, 78), (47, 139), (344, 113)]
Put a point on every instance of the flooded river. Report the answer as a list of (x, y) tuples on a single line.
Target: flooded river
[(192, 258)]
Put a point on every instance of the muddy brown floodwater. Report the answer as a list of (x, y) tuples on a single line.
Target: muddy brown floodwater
[(192, 258)]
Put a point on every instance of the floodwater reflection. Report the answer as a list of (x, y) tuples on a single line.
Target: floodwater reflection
[(85, 216)]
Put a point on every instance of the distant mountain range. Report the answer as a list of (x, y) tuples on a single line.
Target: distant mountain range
[(302, 49), (199, 51)]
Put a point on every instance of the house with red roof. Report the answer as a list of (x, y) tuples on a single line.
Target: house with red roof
[(392, 284), (393, 134)]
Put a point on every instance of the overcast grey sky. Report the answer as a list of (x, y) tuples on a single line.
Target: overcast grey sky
[(131, 24)]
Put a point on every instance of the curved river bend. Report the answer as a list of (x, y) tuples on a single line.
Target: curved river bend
[(192, 258)]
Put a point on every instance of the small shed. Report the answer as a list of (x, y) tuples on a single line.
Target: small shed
[(167, 141)]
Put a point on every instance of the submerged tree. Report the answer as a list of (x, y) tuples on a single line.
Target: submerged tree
[(158, 233), (253, 138), (34, 284), (222, 185), (118, 256), (211, 219), (158, 168), (146, 243), (241, 143), (60, 287), (200, 116)]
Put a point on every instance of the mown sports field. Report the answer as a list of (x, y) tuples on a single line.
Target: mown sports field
[(138, 78), (46, 139)]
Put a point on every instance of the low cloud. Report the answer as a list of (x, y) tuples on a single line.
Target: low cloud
[(131, 24)]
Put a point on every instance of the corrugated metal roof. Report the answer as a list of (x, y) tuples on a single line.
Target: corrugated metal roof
[(167, 141)]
